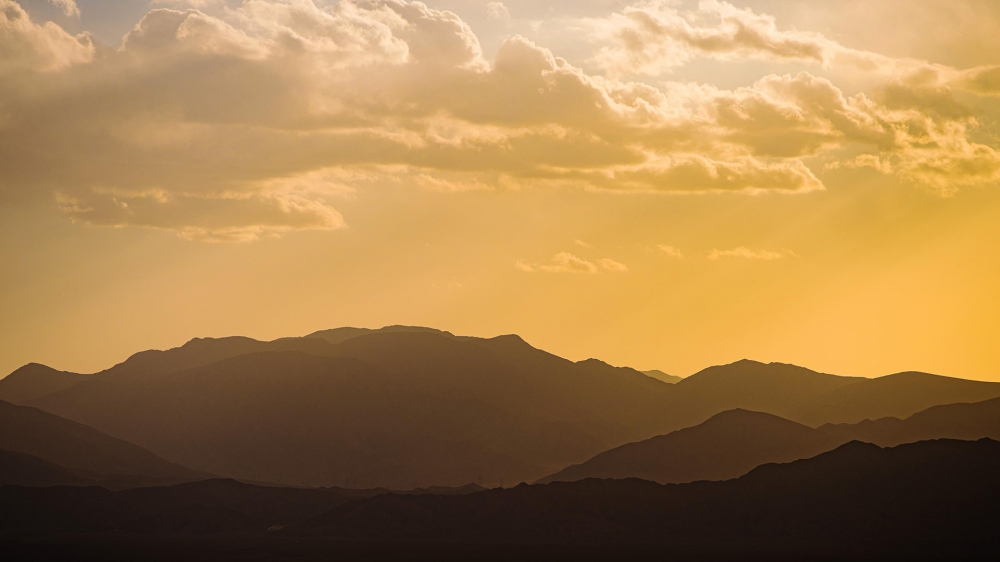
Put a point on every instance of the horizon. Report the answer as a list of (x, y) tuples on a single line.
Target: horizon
[(641, 369)]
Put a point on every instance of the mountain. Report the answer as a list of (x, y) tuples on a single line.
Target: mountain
[(927, 499), (727, 445), (661, 376), (83, 452), (396, 408), (952, 421), (403, 407)]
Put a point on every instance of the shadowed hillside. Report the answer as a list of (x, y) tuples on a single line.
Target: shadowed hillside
[(89, 455), (26, 470), (932, 497), (926, 500), (726, 446)]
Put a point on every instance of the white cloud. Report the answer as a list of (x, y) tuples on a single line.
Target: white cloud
[(27, 46), (655, 37)]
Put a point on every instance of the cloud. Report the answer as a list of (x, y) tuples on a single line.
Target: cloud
[(27, 46), (742, 252), (286, 102), (612, 265), (216, 218), (671, 251), (654, 37), (565, 262), (497, 11)]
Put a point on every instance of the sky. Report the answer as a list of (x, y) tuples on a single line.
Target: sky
[(660, 184)]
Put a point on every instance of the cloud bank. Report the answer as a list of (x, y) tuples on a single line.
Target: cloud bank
[(198, 120)]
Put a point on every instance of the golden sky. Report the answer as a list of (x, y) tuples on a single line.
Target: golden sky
[(659, 184)]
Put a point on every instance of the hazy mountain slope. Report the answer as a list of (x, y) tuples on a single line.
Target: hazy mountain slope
[(660, 375), (812, 398), (75, 446), (928, 497), (33, 381), (899, 395), (725, 446), (598, 367), (952, 421), (784, 390), (26, 470)]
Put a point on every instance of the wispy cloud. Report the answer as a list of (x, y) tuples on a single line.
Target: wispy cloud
[(671, 251), (565, 262), (742, 252), (497, 11), (612, 265)]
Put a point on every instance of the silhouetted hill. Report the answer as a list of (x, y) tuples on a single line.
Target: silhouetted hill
[(927, 500), (932, 497), (340, 335), (660, 375), (79, 449), (725, 446), (211, 506), (217, 506), (27, 470), (952, 421)]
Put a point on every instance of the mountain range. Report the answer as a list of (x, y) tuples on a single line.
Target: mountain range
[(404, 407)]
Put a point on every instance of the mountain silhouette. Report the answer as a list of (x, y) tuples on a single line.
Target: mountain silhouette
[(404, 407), (725, 446), (34, 381), (930, 498), (952, 421), (83, 452), (397, 409)]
